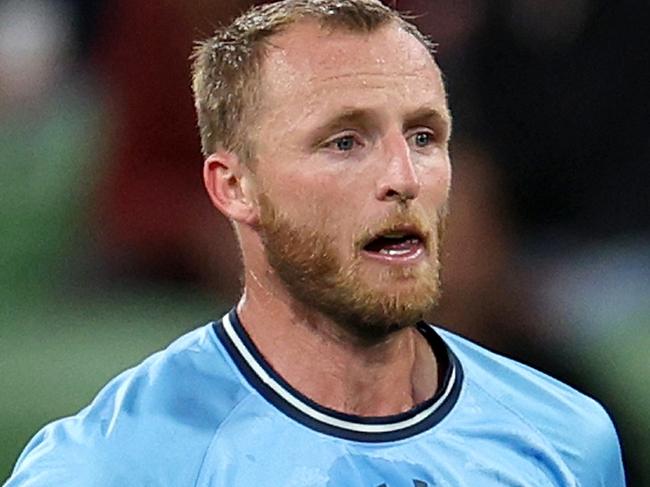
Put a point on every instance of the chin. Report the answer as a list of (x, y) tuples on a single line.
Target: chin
[(392, 306)]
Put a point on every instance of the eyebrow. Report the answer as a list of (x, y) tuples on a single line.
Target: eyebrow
[(427, 114), (430, 117), (365, 117), (348, 117)]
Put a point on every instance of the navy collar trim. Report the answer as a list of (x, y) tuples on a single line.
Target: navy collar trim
[(296, 405)]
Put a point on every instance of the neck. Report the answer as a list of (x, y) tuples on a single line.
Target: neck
[(331, 367)]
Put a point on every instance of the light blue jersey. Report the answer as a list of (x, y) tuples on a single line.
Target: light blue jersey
[(210, 412)]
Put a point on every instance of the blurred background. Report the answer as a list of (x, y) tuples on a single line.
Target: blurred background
[(109, 247)]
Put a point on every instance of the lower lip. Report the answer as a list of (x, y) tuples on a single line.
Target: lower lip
[(415, 254)]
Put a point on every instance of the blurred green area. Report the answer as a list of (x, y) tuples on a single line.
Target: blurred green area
[(619, 369), (47, 171)]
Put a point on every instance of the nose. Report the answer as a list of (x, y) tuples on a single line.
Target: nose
[(399, 180)]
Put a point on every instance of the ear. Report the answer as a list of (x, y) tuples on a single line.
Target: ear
[(230, 186)]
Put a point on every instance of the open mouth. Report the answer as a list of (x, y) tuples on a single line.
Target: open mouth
[(397, 244)]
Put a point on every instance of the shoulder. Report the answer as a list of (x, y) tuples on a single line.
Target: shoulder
[(157, 418), (576, 426)]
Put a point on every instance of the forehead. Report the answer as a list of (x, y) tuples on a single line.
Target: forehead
[(308, 62)]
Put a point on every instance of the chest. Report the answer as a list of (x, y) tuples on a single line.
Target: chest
[(273, 451)]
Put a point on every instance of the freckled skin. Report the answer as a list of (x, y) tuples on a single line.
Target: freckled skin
[(331, 183)]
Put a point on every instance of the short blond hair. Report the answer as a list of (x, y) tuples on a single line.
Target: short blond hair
[(226, 68)]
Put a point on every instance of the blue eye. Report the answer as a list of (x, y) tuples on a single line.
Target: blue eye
[(423, 139), (345, 143)]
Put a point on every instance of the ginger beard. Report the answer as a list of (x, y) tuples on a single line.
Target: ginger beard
[(307, 262)]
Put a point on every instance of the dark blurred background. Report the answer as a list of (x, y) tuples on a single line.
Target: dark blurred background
[(109, 247)]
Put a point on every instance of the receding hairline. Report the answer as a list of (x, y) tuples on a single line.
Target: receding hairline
[(328, 27), (273, 46), (244, 45)]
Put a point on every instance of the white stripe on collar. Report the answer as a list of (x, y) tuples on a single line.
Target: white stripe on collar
[(319, 415)]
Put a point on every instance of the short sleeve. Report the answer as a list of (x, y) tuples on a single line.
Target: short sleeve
[(597, 461), (53, 458)]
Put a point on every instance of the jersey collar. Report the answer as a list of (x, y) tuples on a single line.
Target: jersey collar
[(283, 396)]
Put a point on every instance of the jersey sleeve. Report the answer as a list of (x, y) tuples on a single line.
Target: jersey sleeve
[(599, 462), (53, 458)]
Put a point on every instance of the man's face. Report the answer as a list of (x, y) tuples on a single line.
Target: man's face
[(353, 173)]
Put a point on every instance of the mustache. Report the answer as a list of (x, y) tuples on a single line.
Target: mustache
[(400, 220)]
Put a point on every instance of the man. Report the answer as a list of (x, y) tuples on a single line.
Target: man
[(325, 128)]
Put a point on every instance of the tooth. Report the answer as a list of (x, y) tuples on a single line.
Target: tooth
[(394, 252)]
